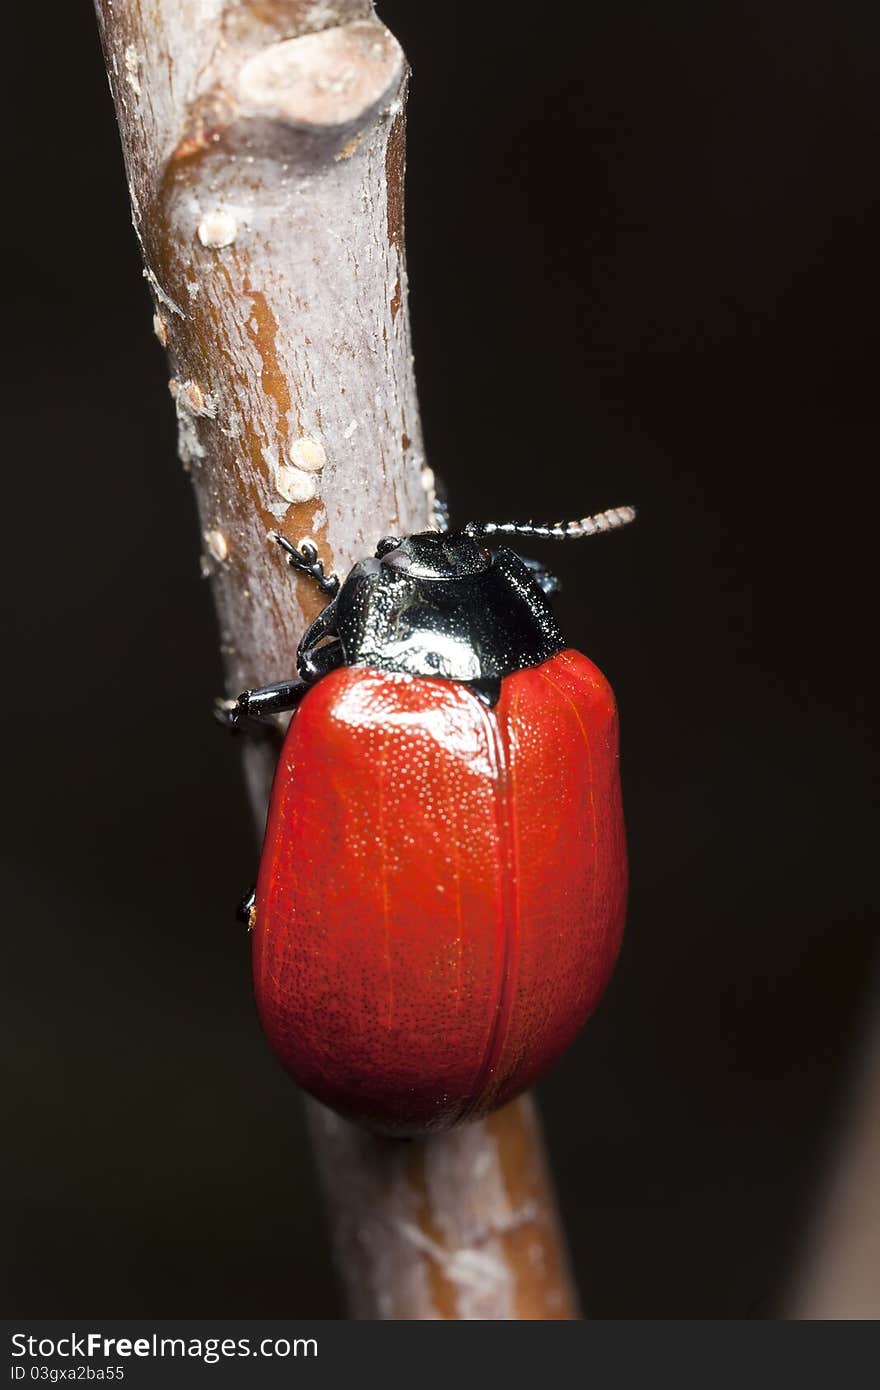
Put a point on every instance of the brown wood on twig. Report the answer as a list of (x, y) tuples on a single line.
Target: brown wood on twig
[(264, 143)]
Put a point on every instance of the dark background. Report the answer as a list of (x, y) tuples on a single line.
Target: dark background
[(642, 247)]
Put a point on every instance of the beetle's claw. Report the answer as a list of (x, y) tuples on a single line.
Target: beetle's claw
[(246, 910), (228, 713), (304, 559)]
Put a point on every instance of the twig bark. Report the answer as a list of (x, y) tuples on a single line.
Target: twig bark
[(264, 145), (839, 1272)]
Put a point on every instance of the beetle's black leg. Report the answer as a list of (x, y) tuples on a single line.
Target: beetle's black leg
[(253, 709), (320, 660), (487, 690), (313, 660), (245, 910), (542, 576), (304, 559), (319, 628)]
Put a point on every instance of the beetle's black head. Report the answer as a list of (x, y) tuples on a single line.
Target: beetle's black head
[(435, 555)]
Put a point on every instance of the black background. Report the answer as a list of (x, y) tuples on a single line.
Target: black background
[(642, 243)]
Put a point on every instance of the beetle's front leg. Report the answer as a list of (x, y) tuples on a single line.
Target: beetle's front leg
[(253, 710), (544, 577)]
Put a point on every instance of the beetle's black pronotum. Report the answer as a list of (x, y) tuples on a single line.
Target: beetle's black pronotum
[(437, 603)]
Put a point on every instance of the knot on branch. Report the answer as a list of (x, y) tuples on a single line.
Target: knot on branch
[(334, 80)]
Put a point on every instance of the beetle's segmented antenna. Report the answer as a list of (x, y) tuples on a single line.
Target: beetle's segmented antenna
[(304, 559), (611, 520)]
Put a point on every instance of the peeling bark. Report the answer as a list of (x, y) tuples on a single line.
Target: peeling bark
[(264, 148)]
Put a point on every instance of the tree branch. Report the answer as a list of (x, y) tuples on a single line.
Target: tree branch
[(264, 146), (837, 1276)]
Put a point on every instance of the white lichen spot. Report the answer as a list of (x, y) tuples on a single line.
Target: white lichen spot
[(160, 328), (350, 429), (189, 446), (217, 544), (232, 428), (296, 485), (190, 397), (307, 454), (217, 229), (132, 66)]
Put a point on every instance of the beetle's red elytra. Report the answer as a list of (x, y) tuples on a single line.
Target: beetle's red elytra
[(442, 889), (441, 896)]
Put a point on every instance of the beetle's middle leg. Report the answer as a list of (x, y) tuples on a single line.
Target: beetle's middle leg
[(253, 710), (244, 913), (252, 713)]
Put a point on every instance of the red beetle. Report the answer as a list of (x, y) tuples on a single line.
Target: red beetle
[(442, 888)]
